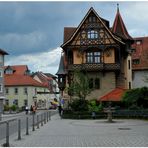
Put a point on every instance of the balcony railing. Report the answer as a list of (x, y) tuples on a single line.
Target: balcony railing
[(95, 66)]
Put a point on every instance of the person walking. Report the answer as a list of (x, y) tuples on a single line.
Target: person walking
[(26, 109)]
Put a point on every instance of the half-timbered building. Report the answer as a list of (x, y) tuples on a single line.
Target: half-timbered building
[(103, 52)]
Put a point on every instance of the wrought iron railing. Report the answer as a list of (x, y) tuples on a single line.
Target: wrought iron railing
[(94, 66)]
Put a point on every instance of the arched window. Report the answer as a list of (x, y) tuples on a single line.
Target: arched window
[(92, 34)]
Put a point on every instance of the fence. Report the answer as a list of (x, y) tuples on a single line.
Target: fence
[(139, 114), (25, 124)]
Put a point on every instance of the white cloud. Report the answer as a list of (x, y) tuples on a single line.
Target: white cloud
[(45, 61)]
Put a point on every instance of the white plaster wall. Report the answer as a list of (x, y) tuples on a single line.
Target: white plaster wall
[(138, 78)]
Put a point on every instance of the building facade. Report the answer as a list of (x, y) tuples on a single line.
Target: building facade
[(2, 95), (50, 81), (21, 89), (140, 62), (101, 51)]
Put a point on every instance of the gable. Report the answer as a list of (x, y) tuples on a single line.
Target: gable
[(93, 30)]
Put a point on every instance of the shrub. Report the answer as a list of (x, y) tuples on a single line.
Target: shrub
[(94, 107), (79, 105), (13, 107), (6, 107)]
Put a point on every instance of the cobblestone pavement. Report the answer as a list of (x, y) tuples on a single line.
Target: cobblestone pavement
[(86, 133)]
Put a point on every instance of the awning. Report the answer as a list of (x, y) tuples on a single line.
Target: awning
[(114, 95)]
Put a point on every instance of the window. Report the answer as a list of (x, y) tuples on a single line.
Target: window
[(129, 64), (7, 90), (92, 34), (25, 91), (1, 87), (136, 61), (6, 102), (91, 83), (15, 102), (9, 71), (94, 83), (129, 83), (93, 57), (97, 83), (1, 73), (138, 42), (16, 91), (92, 19)]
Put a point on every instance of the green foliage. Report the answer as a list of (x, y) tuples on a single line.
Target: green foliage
[(13, 107), (79, 105), (138, 97), (80, 85), (93, 106), (6, 107)]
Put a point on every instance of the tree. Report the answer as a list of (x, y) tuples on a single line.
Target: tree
[(137, 96), (80, 85)]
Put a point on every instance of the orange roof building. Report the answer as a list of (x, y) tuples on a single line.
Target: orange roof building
[(114, 95), (21, 89), (140, 62)]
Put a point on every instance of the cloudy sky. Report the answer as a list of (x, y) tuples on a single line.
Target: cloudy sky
[(32, 32)]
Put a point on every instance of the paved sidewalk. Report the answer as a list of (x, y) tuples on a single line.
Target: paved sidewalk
[(86, 133)]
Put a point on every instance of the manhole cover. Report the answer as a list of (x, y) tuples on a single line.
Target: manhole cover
[(124, 128)]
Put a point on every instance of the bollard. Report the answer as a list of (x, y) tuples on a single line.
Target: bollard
[(0, 116), (19, 129), (44, 118), (27, 127), (47, 116), (41, 119), (7, 135), (33, 129), (37, 121)]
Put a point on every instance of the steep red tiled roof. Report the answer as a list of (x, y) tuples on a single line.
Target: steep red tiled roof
[(19, 78), (114, 95), (18, 69), (119, 27), (140, 53), (43, 78), (68, 31)]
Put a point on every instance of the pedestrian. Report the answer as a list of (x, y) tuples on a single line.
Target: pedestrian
[(31, 109), (34, 109), (60, 110), (93, 115), (26, 109)]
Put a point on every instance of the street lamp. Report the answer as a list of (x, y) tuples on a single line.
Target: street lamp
[(61, 80)]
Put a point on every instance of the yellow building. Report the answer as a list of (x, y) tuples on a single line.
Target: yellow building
[(22, 90)]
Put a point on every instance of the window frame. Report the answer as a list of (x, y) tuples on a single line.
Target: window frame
[(16, 91), (93, 57), (26, 91), (7, 91), (92, 34)]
